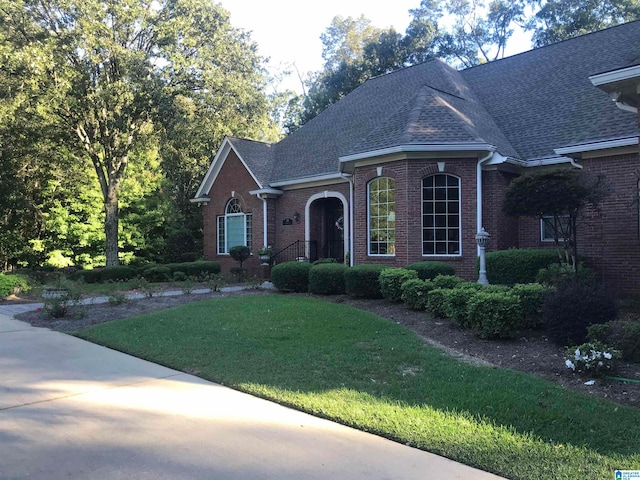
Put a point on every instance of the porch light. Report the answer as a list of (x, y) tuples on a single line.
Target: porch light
[(482, 239)]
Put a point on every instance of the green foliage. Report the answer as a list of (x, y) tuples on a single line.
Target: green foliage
[(327, 278), (556, 274), (240, 253), (430, 270), (518, 265), (494, 315), (531, 297), (572, 308), (157, 274), (456, 301), (593, 358), (117, 273), (13, 283), (363, 281), (391, 281), (447, 281), (623, 335), (324, 260), (291, 276), (435, 302), (414, 293)]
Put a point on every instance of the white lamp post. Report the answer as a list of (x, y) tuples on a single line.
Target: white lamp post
[(482, 239)]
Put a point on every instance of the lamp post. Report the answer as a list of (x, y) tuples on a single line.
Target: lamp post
[(482, 239)]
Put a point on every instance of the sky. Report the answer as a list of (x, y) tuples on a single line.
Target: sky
[(288, 31)]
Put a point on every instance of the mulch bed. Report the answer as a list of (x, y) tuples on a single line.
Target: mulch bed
[(529, 352)]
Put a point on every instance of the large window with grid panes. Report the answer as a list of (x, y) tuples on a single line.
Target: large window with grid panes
[(441, 226), (382, 216), (234, 227)]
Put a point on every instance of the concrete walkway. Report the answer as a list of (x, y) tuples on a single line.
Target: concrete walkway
[(70, 409)]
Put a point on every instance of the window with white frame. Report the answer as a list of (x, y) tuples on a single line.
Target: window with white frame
[(234, 227), (548, 227), (382, 216), (441, 215)]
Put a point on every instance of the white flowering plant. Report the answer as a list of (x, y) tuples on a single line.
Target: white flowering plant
[(594, 358)]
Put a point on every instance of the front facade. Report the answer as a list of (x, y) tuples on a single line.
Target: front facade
[(411, 165)]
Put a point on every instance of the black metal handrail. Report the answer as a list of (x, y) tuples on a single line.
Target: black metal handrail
[(300, 250)]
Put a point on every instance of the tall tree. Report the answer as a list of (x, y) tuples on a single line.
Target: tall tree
[(557, 20), (106, 74)]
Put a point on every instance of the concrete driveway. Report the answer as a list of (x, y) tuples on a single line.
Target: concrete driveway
[(70, 409)]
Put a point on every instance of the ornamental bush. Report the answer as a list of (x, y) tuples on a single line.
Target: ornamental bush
[(414, 293), (117, 273), (363, 281), (572, 308), (557, 274), (327, 279), (324, 260), (518, 265), (198, 269), (456, 301), (12, 283), (430, 270), (447, 281), (531, 297), (594, 358), (435, 302), (391, 281), (623, 335), (494, 315), (291, 276), (157, 274)]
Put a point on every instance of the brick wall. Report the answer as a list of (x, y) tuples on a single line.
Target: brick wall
[(503, 229)]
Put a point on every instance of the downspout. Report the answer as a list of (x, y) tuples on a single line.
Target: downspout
[(265, 242), (349, 178), (481, 161)]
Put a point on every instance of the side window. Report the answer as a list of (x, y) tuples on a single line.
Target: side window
[(548, 227), (441, 215), (382, 216), (234, 227)]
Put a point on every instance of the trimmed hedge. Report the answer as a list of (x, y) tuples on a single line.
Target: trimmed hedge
[(414, 293), (200, 268), (160, 273), (572, 308), (327, 278), (435, 302), (291, 276), (531, 297), (391, 281), (494, 315), (12, 284), (509, 267), (456, 301), (117, 273), (430, 270), (447, 281), (364, 280)]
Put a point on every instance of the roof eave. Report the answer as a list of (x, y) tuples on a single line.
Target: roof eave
[(578, 149)]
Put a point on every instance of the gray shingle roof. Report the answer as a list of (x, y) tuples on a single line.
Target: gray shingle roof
[(526, 106)]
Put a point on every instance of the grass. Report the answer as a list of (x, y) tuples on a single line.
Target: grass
[(350, 366)]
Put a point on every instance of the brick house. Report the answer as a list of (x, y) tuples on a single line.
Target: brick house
[(411, 165)]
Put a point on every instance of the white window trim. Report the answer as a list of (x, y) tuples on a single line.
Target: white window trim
[(388, 255), (543, 229), (442, 255), (224, 218)]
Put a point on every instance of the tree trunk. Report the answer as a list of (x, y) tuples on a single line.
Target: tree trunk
[(111, 221)]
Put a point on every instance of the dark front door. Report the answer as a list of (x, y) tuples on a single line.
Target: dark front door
[(333, 245)]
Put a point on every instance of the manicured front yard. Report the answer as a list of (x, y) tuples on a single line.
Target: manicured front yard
[(338, 362)]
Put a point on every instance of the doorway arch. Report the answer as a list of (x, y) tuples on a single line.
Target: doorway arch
[(327, 223)]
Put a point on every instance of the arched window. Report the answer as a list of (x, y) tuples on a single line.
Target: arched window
[(234, 227), (441, 215), (382, 216)]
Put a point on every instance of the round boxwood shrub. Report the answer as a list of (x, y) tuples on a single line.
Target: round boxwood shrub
[(531, 297), (435, 302), (324, 260), (327, 279), (391, 281), (414, 293), (157, 274), (447, 281), (456, 300), (518, 265), (572, 308), (117, 273), (363, 281), (494, 315), (291, 276), (430, 270)]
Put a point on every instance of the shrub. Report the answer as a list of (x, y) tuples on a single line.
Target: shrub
[(324, 260), (557, 274), (508, 267), (291, 276), (179, 276), (157, 274), (327, 278), (447, 281), (391, 281), (240, 253), (198, 269), (414, 293), (435, 302), (89, 276), (623, 335), (117, 273), (13, 283), (531, 297), (456, 300), (363, 281), (594, 358), (574, 306), (494, 315), (430, 270)]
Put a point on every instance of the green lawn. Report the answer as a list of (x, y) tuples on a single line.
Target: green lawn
[(351, 366)]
